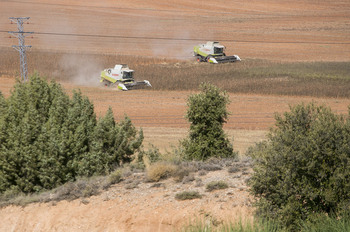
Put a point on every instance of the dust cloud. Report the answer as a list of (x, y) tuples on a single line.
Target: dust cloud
[(167, 38), (80, 69)]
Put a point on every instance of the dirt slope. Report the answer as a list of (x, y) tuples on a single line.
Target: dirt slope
[(146, 207)]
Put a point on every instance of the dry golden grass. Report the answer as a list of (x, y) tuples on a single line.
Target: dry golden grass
[(160, 170), (165, 138)]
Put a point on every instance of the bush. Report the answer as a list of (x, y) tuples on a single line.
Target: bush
[(304, 167), (188, 195), (233, 169), (115, 177), (180, 173), (80, 188), (152, 154), (211, 167), (215, 185), (48, 139), (161, 170), (325, 223), (207, 113)]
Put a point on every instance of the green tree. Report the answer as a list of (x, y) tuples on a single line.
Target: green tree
[(3, 111), (47, 139), (207, 113), (112, 145), (18, 155), (51, 145), (128, 141), (78, 129), (304, 166), (102, 151)]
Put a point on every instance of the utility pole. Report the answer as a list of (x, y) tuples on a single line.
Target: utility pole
[(20, 34)]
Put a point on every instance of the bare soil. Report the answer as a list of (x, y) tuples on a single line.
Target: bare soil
[(270, 29), (136, 205), (301, 30)]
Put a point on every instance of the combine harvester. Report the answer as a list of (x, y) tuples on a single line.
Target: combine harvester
[(122, 77), (213, 52)]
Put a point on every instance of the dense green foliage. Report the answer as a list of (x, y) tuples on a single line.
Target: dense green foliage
[(326, 223), (47, 139), (207, 113), (304, 166), (320, 223)]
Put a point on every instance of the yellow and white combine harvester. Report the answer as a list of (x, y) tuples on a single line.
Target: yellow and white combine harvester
[(122, 77), (213, 52)]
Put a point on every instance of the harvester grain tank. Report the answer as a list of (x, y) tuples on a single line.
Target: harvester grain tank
[(122, 77), (213, 52)]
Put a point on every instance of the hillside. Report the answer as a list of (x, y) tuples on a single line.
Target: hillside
[(138, 205)]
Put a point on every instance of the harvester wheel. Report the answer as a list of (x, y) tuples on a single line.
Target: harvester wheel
[(207, 58), (198, 58), (106, 83)]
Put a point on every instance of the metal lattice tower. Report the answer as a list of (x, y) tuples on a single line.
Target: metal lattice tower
[(20, 34)]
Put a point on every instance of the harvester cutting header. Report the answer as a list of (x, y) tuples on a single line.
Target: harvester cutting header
[(213, 52), (122, 77)]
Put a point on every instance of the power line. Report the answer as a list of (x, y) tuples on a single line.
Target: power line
[(184, 39)]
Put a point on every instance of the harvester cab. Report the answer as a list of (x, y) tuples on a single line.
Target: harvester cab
[(213, 52), (122, 77)]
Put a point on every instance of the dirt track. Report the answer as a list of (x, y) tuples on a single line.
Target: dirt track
[(302, 30)]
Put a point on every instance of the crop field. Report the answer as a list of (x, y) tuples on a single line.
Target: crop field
[(291, 51), (253, 76)]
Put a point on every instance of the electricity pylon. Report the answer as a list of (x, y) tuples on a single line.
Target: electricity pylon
[(20, 34)]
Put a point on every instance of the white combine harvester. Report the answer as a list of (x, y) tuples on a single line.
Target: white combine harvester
[(122, 77), (213, 52)]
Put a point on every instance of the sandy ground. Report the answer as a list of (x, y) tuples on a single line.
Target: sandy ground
[(302, 30), (146, 207)]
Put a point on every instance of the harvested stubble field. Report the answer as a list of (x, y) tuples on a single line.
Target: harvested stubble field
[(292, 52)]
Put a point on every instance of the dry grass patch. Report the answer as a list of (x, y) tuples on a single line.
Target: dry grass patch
[(160, 170), (215, 185), (188, 195), (81, 188)]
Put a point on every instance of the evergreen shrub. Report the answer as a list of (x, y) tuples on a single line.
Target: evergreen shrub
[(48, 139), (304, 167), (207, 113)]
